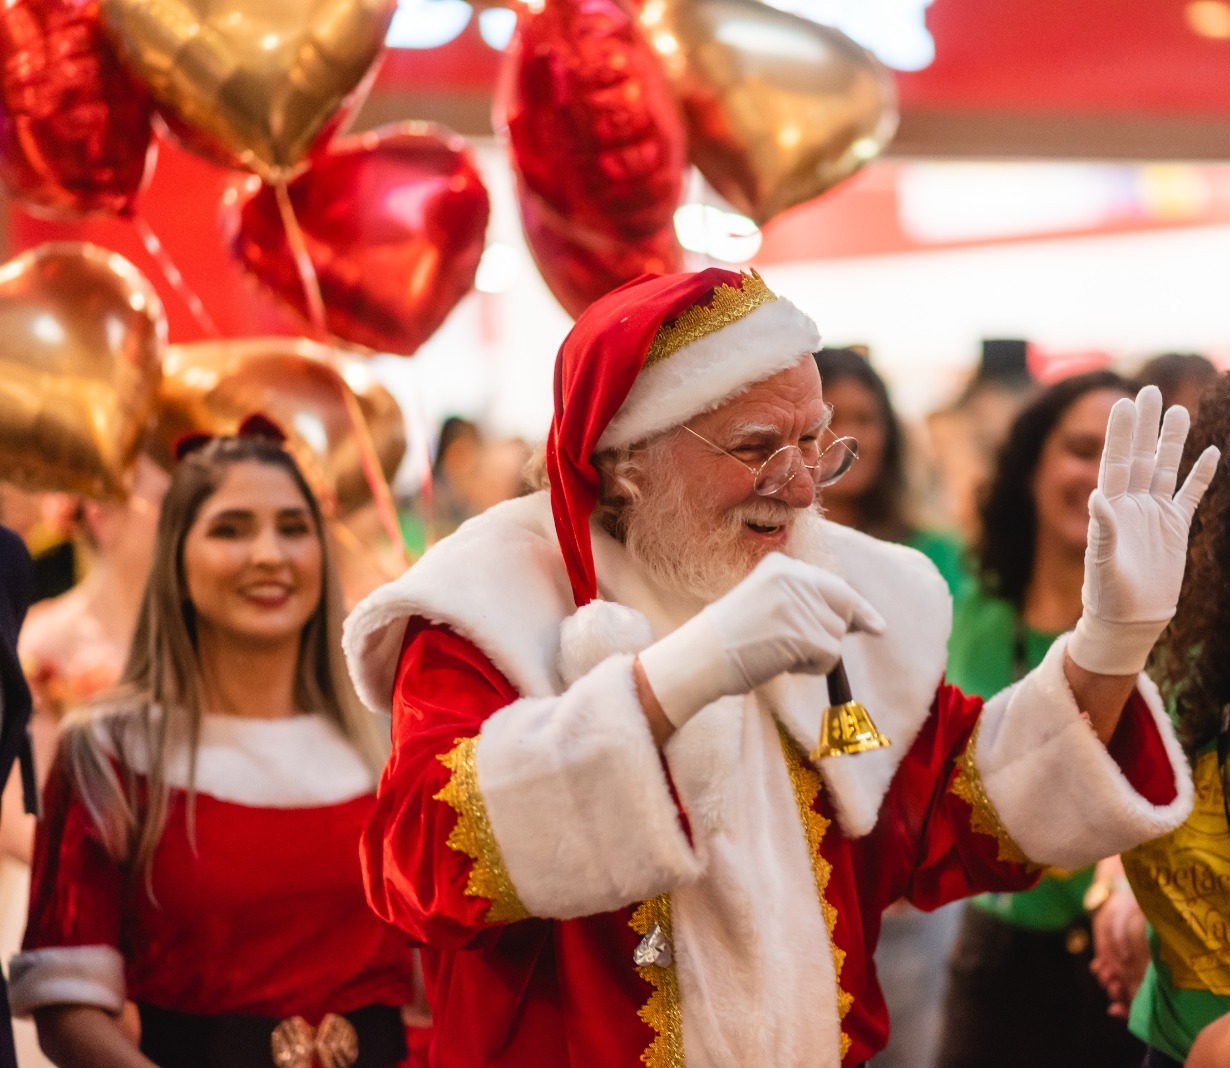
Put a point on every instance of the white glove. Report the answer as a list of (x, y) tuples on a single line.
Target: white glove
[(1138, 528), (786, 615)]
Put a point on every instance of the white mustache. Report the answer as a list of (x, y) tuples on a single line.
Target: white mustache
[(765, 514)]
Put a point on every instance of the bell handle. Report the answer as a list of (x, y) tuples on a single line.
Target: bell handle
[(839, 685)]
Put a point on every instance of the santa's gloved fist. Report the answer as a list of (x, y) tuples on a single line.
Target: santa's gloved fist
[(1138, 529), (786, 615)]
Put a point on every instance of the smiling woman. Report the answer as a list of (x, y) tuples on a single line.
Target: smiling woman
[(200, 851)]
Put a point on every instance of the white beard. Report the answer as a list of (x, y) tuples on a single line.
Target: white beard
[(690, 549)]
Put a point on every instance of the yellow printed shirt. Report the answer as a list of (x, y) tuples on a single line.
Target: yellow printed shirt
[(1182, 881)]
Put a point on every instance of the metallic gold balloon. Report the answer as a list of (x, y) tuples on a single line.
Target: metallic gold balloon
[(258, 78), (82, 335), (211, 386), (779, 109)]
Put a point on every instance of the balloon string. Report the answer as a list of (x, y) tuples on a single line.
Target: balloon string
[(174, 278), (386, 508), (303, 263), (351, 541), (368, 457)]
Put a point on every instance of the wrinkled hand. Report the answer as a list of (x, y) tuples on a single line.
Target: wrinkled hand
[(786, 615), (1120, 949), (1138, 528)]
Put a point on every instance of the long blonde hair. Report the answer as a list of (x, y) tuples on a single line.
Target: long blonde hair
[(155, 710)]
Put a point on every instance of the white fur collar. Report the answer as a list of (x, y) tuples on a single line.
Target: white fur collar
[(300, 762), (500, 582)]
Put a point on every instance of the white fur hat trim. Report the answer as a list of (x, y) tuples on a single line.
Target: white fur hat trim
[(702, 375)]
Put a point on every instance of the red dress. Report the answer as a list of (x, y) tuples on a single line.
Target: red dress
[(263, 914)]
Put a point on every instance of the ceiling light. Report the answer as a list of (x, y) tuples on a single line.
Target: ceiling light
[(1209, 18)]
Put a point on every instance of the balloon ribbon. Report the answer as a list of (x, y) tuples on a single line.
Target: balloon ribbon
[(174, 277), (368, 457)]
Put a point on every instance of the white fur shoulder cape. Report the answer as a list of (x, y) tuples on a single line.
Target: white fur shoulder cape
[(499, 581)]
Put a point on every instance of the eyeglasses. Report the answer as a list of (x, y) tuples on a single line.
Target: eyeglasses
[(825, 463)]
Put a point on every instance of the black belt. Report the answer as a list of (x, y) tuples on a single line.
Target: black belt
[(371, 1037)]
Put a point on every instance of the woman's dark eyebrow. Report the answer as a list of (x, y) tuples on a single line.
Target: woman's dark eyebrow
[(248, 513)]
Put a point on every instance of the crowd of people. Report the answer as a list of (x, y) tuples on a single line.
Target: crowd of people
[(559, 804)]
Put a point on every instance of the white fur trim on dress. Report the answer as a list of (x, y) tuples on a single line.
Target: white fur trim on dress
[(578, 800), (298, 762), (67, 975), (498, 580), (702, 375), (1057, 791), (756, 974)]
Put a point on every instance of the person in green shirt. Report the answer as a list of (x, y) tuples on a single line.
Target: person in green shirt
[(1182, 880), (1019, 987)]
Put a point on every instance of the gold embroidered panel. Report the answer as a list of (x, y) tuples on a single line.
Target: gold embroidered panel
[(662, 1011), (984, 819), (473, 835), (806, 784), (1182, 881)]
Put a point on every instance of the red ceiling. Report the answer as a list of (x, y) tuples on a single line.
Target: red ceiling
[(1040, 56), (1112, 56)]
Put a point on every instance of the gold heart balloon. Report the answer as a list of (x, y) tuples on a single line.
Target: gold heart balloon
[(211, 386), (258, 78), (82, 335), (779, 109)]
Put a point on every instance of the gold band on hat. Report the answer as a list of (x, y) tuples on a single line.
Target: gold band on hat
[(728, 305)]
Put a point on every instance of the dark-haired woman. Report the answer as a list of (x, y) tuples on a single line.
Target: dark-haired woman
[(199, 854), (1182, 880), (873, 496), (1020, 991)]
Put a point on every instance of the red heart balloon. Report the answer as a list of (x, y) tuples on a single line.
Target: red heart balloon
[(579, 265), (596, 138), (74, 125), (394, 222)]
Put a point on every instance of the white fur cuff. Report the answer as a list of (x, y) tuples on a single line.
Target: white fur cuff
[(578, 800), (1058, 792), (67, 975)]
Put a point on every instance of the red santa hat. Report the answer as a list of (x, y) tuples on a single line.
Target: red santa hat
[(647, 357)]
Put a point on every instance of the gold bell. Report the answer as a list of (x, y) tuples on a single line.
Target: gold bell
[(847, 726)]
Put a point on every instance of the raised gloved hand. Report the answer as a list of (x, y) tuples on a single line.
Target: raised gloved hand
[(786, 615), (1138, 529)]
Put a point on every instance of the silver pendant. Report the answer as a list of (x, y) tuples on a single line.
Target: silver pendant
[(654, 950)]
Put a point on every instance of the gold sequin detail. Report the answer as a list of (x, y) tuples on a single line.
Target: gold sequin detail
[(728, 305), (473, 835), (662, 1011), (806, 783), (984, 819)]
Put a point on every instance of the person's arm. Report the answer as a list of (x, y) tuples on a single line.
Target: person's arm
[(1212, 1046), (495, 808), (1120, 942), (82, 1036), (70, 958)]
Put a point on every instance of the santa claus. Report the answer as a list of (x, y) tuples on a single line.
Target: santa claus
[(600, 819)]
